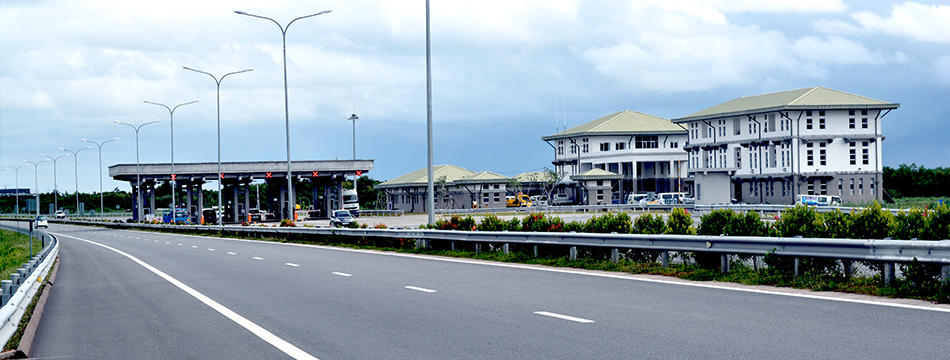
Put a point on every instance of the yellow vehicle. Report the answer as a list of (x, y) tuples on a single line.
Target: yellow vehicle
[(520, 200)]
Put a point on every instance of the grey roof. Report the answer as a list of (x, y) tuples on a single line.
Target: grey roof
[(813, 98), (625, 122), (484, 177), (596, 174), (421, 177)]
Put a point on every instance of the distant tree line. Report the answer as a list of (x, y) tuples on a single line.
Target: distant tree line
[(916, 181)]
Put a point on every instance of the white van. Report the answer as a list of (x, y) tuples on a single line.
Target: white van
[(818, 200), (671, 198)]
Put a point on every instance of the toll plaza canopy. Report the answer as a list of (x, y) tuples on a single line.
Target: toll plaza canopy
[(323, 179)]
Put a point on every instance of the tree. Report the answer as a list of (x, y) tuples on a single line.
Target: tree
[(549, 182)]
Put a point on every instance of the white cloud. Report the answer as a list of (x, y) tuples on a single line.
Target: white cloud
[(924, 23), (835, 50), (766, 6)]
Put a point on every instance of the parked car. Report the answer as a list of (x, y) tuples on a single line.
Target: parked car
[(41, 222), (257, 215), (341, 218), (562, 199), (60, 214)]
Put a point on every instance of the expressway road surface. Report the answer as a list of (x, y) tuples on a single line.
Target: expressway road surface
[(141, 295)]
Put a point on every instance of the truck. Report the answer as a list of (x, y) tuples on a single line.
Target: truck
[(351, 201), (519, 200)]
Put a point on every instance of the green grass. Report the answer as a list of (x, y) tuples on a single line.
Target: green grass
[(14, 251)]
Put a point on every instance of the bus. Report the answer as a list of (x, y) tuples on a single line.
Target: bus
[(181, 215)]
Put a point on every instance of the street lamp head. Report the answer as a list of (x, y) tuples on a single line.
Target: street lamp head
[(324, 12), (117, 121), (240, 12)]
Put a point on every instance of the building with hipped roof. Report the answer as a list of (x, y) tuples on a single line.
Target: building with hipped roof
[(643, 151), (769, 148)]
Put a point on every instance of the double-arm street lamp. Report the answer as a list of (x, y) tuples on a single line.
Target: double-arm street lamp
[(99, 145), (283, 32), (353, 118), (138, 177), (36, 183), (76, 171), (171, 115), (55, 186), (16, 169), (218, 85)]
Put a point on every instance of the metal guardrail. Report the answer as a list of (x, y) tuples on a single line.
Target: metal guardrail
[(18, 292), (565, 209), (381, 212)]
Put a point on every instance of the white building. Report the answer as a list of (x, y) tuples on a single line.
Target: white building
[(646, 151), (768, 148)]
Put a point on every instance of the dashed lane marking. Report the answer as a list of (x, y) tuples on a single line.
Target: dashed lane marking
[(564, 317), (341, 274), (416, 288)]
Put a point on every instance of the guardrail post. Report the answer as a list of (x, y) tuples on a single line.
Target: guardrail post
[(15, 279), (846, 264), (724, 263), (536, 251), (945, 274), (573, 253), (7, 286), (453, 245), (505, 248), (614, 255), (888, 273), (797, 263), (478, 248), (665, 259)]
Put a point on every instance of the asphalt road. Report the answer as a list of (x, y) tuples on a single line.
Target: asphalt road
[(210, 298)]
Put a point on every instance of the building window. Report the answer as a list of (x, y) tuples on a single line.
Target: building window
[(560, 147), (872, 187), (808, 113), (851, 123), (821, 154), (851, 150), (736, 126), (739, 157), (864, 152), (864, 123), (821, 123), (620, 146), (852, 186), (810, 154), (783, 189), (604, 146), (646, 142), (808, 124), (485, 198), (674, 145), (840, 186), (861, 186), (821, 113), (585, 149), (823, 187), (811, 187), (497, 197)]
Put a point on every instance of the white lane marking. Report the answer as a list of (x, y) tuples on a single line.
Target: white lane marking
[(257, 258), (232, 253), (179, 244), (156, 240), (210, 249), (194, 246), (136, 238), (564, 317), (167, 242), (291, 264), (341, 274), (416, 288), (255, 329)]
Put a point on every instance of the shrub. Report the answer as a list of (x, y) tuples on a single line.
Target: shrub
[(287, 223), (456, 222), (680, 223), (909, 225), (748, 223), (715, 222), (649, 224), (609, 223), (540, 223), (836, 224), (800, 220), (491, 223), (938, 224), (575, 226), (514, 224), (871, 223), (380, 226)]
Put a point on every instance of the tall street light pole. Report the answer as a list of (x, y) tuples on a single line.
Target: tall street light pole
[(55, 187), (217, 83), (36, 183), (76, 171), (16, 169), (99, 145), (430, 199), (138, 177), (171, 115), (283, 32), (353, 118)]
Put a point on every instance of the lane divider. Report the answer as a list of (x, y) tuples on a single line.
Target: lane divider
[(341, 274), (255, 329), (564, 317), (416, 288), (292, 264)]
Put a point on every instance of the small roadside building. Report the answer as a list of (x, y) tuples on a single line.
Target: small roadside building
[(455, 188)]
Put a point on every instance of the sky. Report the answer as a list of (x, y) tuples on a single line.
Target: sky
[(504, 74)]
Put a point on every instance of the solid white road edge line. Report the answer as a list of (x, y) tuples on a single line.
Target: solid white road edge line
[(416, 288), (341, 274), (564, 317), (255, 329)]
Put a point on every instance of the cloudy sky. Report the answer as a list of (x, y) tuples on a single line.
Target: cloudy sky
[(68, 69)]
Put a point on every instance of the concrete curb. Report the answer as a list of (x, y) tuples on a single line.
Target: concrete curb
[(26, 342)]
